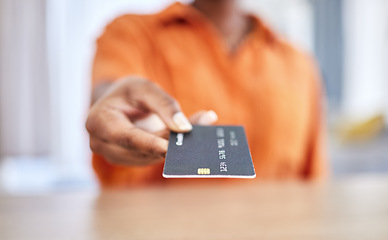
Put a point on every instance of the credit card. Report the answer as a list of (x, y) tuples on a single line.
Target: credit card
[(209, 152)]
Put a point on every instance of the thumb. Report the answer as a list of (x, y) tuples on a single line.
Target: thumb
[(167, 108)]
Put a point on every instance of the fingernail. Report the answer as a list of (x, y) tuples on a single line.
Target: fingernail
[(209, 118), (181, 121), (212, 115)]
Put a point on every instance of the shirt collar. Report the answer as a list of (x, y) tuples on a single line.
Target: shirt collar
[(175, 12), (179, 12)]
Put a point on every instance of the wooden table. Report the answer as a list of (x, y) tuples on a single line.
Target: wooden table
[(355, 208)]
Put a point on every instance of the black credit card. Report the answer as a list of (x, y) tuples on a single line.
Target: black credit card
[(209, 152)]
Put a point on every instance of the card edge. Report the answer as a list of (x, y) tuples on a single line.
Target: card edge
[(210, 176)]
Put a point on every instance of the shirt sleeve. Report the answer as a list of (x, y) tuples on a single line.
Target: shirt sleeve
[(122, 50)]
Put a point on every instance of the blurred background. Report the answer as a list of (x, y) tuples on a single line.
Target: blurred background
[(46, 50)]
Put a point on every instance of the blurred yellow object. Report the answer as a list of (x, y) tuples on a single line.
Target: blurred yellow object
[(362, 130)]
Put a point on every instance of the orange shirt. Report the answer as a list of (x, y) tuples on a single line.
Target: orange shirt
[(266, 85)]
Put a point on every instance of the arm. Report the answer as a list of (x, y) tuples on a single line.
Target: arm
[(119, 105)]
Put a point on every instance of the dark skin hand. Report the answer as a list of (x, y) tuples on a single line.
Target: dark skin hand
[(130, 119), (112, 122)]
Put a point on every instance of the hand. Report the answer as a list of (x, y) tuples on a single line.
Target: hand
[(128, 123)]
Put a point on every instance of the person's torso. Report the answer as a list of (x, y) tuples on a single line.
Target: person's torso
[(263, 85)]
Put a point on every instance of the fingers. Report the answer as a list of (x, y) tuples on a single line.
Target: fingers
[(204, 118), (155, 100), (163, 133), (129, 124), (118, 155), (200, 118), (112, 126), (151, 123)]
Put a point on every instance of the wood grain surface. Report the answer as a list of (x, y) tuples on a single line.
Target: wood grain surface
[(352, 208)]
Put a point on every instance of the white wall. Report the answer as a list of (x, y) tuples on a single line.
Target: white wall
[(292, 19), (366, 58), (24, 84)]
